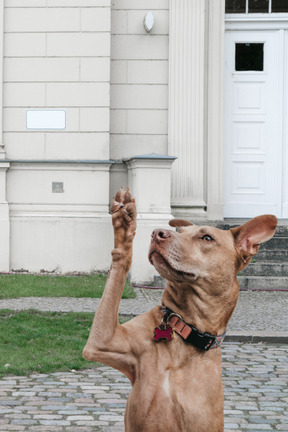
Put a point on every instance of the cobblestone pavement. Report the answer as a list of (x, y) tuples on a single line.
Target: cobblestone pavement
[(255, 375), (256, 395)]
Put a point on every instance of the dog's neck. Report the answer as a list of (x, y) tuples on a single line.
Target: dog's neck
[(207, 311)]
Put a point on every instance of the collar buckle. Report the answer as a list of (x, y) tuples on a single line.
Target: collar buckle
[(168, 316)]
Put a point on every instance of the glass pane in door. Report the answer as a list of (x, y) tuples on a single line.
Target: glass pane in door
[(235, 6), (258, 6), (279, 5), (249, 57)]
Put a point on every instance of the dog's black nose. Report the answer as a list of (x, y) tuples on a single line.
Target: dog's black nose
[(160, 234)]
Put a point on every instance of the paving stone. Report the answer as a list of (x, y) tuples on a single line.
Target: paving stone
[(255, 376), (252, 403), (54, 422), (79, 417)]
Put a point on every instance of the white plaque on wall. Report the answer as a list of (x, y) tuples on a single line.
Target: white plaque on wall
[(45, 119)]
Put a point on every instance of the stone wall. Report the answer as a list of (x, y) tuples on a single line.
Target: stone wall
[(57, 57), (139, 79)]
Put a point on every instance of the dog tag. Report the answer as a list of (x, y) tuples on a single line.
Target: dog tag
[(163, 332)]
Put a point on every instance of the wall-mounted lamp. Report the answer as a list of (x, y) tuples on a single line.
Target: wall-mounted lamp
[(148, 21)]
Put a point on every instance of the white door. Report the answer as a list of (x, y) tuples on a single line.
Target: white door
[(255, 146)]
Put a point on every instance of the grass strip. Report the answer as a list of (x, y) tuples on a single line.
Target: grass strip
[(15, 286), (42, 341)]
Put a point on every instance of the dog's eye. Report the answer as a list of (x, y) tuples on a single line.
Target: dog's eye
[(207, 238)]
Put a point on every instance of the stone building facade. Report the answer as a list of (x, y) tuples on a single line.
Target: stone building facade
[(91, 101)]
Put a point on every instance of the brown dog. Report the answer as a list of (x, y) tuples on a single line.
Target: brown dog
[(171, 354)]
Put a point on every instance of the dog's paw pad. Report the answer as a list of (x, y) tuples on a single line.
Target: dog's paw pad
[(127, 196), (124, 214), (119, 197), (124, 200), (115, 206)]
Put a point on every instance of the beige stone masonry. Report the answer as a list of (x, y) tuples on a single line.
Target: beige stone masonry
[(142, 4), (39, 20), (127, 22), (57, 145), (95, 19), (95, 69), (24, 45), (152, 122), (139, 96), (139, 78), (77, 94), (57, 57), (150, 72), (129, 47), (78, 44), (135, 143)]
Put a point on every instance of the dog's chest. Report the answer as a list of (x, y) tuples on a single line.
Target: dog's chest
[(168, 400), (174, 377)]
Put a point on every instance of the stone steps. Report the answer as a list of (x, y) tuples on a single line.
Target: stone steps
[(266, 268), (263, 283), (273, 255)]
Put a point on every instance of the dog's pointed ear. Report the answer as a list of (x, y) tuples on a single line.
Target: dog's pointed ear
[(177, 223), (249, 236)]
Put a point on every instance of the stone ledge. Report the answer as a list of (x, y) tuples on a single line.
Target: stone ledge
[(257, 337)]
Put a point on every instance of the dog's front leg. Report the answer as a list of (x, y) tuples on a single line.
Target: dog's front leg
[(109, 342)]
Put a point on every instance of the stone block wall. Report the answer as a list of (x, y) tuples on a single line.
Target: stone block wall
[(57, 57), (139, 78)]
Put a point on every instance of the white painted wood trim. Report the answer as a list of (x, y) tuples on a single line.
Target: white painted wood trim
[(256, 21)]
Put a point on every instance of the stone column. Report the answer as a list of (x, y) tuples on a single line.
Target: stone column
[(149, 179), (196, 46), (4, 165), (186, 105)]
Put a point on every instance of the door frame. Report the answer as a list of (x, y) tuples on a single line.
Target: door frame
[(254, 22), (265, 22)]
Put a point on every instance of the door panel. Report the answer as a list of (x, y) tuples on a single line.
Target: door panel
[(252, 138)]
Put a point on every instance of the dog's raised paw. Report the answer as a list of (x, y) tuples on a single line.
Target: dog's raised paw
[(123, 210)]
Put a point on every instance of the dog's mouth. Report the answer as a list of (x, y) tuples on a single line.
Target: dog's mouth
[(160, 263)]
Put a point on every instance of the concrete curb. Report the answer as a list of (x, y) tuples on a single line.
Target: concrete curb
[(257, 337)]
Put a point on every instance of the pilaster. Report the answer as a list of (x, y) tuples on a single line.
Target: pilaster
[(149, 179), (186, 104), (196, 93)]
